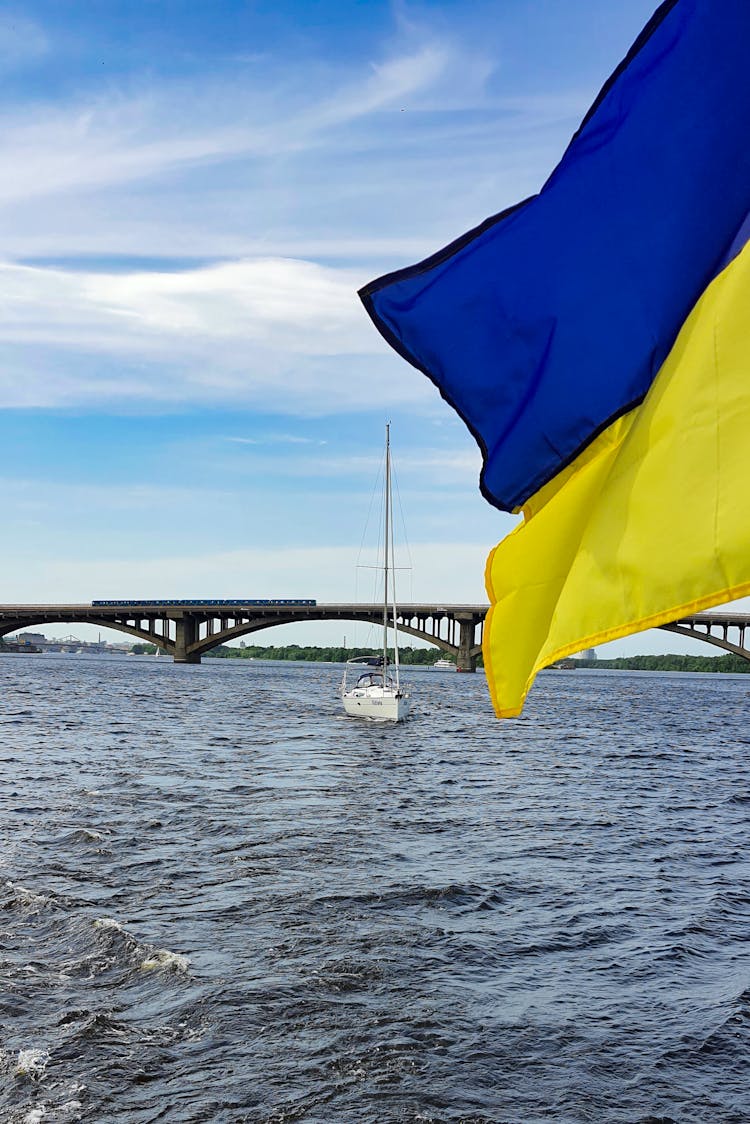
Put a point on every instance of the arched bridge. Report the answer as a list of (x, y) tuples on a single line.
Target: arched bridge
[(725, 630), (188, 631)]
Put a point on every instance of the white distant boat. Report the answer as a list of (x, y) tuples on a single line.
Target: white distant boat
[(377, 692), (444, 665)]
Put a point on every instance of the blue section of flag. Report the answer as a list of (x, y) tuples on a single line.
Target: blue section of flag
[(548, 322)]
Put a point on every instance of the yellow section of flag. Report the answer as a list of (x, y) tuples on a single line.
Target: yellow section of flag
[(652, 520)]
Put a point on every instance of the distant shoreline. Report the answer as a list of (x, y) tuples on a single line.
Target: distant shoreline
[(428, 657), (727, 663), (420, 657)]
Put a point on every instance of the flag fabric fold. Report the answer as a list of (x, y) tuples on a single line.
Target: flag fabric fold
[(596, 340), (649, 524)]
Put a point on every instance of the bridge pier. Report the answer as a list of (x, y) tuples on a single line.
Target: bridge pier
[(465, 660), (186, 634)]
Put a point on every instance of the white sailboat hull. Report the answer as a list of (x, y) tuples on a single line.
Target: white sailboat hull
[(382, 705)]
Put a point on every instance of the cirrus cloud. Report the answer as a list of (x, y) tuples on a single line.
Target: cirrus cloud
[(280, 333)]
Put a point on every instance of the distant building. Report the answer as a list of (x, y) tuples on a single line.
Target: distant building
[(31, 639)]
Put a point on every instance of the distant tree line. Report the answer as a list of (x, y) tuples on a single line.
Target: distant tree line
[(728, 663), (423, 656), (426, 657)]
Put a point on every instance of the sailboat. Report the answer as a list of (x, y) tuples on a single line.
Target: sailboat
[(377, 692)]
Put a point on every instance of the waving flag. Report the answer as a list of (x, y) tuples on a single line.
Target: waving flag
[(596, 341)]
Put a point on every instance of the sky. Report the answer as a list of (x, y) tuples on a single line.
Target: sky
[(192, 399)]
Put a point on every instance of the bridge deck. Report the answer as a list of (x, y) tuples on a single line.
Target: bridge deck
[(415, 609), (718, 616)]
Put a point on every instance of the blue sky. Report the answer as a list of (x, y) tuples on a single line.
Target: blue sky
[(192, 398)]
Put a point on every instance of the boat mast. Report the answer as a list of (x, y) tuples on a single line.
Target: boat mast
[(385, 545), (393, 582)]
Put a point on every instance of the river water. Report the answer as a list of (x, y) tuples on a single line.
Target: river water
[(223, 901)]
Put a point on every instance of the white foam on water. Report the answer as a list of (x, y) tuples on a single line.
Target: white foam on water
[(34, 1115), (108, 923), (67, 1110), (192, 1034), (70, 1106), (153, 958), (25, 894), (163, 958), (31, 1062)]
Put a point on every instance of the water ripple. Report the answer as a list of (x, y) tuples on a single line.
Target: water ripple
[(222, 901)]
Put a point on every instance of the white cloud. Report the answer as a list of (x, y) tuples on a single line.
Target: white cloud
[(289, 335), (387, 84), (295, 166), (118, 140), (274, 439), (219, 171), (86, 148), (300, 306), (297, 305), (443, 466)]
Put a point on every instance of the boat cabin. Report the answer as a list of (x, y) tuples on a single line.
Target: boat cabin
[(372, 679)]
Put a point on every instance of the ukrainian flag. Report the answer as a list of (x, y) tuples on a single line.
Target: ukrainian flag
[(596, 341)]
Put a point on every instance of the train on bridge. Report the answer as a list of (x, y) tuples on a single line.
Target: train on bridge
[(237, 601)]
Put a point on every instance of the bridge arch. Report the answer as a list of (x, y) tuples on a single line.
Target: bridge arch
[(187, 630), (148, 636), (718, 641), (246, 628)]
